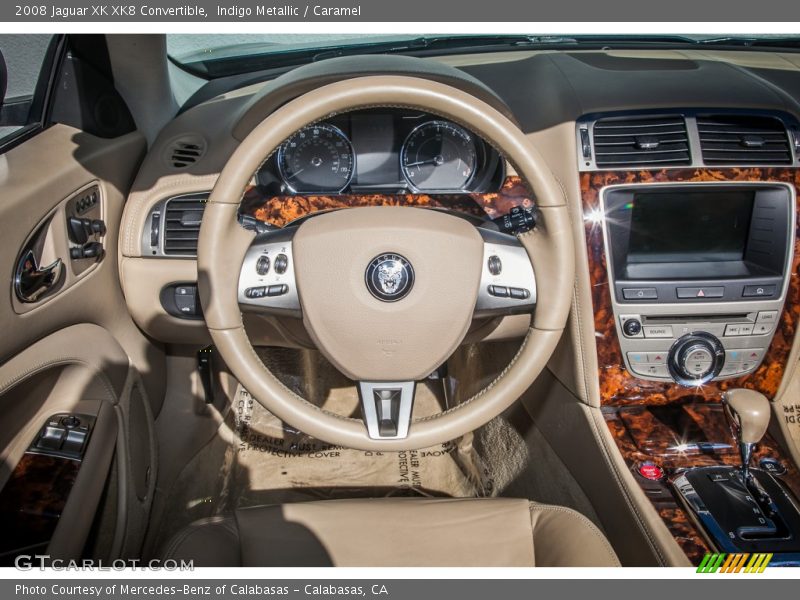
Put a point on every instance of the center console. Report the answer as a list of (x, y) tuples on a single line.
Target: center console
[(698, 274), (695, 299)]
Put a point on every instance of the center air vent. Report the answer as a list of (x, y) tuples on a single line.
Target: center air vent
[(743, 140), (183, 216), (641, 141)]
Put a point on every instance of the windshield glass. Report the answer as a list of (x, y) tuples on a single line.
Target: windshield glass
[(224, 54), (188, 48)]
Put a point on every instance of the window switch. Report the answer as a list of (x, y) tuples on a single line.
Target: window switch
[(51, 438), (74, 442)]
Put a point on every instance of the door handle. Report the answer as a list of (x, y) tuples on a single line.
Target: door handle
[(31, 282)]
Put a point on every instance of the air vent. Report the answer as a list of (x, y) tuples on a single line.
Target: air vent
[(743, 140), (641, 141), (184, 214), (186, 151)]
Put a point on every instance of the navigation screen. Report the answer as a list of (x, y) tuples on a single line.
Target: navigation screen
[(689, 226)]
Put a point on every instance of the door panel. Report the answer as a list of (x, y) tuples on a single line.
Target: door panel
[(36, 179), (72, 350)]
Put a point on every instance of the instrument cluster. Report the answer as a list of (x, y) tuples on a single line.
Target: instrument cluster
[(382, 151)]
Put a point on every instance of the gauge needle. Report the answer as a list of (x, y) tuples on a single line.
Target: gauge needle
[(437, 160), (296, 173)]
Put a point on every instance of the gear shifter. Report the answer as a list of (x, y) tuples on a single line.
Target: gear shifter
[(748, 412)]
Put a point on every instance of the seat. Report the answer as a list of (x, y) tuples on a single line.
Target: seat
[(415, 532)]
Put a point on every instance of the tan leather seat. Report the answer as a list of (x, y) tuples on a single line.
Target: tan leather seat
[(396, 532)]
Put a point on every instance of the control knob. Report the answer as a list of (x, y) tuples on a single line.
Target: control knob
[(696, 358)]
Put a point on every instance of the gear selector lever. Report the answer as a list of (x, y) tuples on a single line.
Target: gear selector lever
[(748, 412)]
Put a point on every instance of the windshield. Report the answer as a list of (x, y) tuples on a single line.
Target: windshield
[(223, 54)]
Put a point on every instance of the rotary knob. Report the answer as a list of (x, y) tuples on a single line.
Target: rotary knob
[(696, 358)]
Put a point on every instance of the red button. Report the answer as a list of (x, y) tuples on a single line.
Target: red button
[(651, 471)]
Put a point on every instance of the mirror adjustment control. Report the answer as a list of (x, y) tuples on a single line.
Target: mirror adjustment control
[(696, 358)]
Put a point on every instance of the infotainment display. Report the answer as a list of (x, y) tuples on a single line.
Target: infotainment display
[(689, 226), (724, 235)]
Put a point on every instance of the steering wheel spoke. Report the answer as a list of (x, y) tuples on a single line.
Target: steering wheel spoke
[(508, 283), (386, 407), (267, 281)]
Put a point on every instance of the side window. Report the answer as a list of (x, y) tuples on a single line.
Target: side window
[(27, 65)]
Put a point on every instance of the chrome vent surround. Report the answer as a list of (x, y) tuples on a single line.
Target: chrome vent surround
[(674, 138), (181, 220), (661, 140), (743, 140)]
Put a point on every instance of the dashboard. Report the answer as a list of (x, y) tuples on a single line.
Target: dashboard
[(382, 151)]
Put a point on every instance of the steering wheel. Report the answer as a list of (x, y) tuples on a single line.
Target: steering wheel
[(386, 294)]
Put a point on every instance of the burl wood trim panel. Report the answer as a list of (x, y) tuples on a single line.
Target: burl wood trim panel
[(32, 500), (282, 210), (617, 386), (653, 434)]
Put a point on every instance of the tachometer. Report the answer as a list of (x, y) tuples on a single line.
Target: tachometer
[(317, 159), (439, 156)]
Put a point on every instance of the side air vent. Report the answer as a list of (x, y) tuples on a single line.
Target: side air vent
[(743, 140), (641, 141), (185, 151), (183, 216)]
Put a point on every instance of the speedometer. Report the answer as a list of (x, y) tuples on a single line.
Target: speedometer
[(317, 159), (439, 156)]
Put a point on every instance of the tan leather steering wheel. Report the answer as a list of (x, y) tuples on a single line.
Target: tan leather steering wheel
[(386, 293)]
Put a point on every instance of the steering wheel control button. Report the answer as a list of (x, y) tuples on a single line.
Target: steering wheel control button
[(281, 264), (519, 293), (262, 265), (256, 292), (499, 291), (632, 327), (389, 277), (640, 293), (772, 466), (651, 471), (277, 290), (495, 265)]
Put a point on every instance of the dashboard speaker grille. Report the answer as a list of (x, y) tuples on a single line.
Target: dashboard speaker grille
[(743, 139), (183, 216), (641, 141)]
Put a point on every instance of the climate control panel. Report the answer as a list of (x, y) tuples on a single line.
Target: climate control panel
[(694, 349)]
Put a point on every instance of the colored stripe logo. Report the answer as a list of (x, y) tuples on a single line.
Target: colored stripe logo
[(734, 563)]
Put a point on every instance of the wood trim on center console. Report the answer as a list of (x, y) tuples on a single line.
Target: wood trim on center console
[(662, 423), (282, 210), (617, 386), (665, 436)]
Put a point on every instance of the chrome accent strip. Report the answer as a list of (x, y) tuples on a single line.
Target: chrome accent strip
[(366, 391)]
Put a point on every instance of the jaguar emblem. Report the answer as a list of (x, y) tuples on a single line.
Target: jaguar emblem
[(389, 277)]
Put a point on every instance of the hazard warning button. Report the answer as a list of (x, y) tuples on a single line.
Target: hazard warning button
[(701, 292)]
